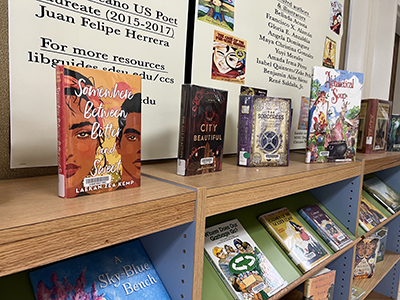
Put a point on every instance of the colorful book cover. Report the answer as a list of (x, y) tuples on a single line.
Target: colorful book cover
[(99, 125), (375, 116), (202, 129), (329, 57), (366, 255), (219, 13), (320, 286), (333, 117), (239, 262), (228, 58), (327, 229), (263, 131), (369, 215), (336, 16), (394, 133), (303, 115), (383, 193), (300, 245), (382, 234), (356, 292), (120, 272)]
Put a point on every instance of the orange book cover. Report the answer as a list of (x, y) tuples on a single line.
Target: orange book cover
[(99, 126), (320, 286)]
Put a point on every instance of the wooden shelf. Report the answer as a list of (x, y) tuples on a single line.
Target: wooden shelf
[(381, 269), (379, 161), (37, 227), (376, 296)]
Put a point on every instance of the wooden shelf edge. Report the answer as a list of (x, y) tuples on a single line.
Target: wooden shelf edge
[(379, 161)]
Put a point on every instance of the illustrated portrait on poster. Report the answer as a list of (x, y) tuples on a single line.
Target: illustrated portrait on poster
[(217, 12), (336, 16), (329, 57)]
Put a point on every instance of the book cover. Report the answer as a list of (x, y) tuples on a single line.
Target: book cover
[(120, 272), (356, 292), (252, 91), (327, 229), (382, 234), (333, 116), (99, 125), (300, 245), (239, 262), (217, 12), (375, 116), (263, 131), (329, 57), (388, 197), (202, 129), (394, 133), (366, 255), (369, 215), (320, 286)]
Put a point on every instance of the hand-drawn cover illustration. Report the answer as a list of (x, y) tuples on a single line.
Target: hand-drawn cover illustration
[(239, 262), (336, 16), (329, 57), (394, 133), (99, 126), (228, 58), (366, 255), (217, 12), (369, 215), (303, 115), (121, 272), (300, 245), (383, 193), (334, 113)]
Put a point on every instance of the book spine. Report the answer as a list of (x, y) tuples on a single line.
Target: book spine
[(60, 97), (245, 125), (370, 125), (182, 147)]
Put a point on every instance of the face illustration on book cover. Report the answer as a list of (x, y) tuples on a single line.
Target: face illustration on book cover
[(217, 12)]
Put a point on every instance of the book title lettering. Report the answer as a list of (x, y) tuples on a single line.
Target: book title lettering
[(221, 232)]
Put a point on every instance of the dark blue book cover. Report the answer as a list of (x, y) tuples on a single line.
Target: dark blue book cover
[(117, 273)]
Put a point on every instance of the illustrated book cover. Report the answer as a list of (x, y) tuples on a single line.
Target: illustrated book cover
[(356, 292), (99, 125), (374, 125), (394, 133), (263, 131), (382, 234), (388, 197), (369, 215), (120, 272), (202, 129), (320, 286), (366, 255), (301, 246), (333, 117), (329, 57), (327, 229), (219, 13), (239, 262)]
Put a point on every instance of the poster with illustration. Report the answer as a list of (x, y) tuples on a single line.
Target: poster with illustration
[(336, 17), (329, 53), (217, 12)]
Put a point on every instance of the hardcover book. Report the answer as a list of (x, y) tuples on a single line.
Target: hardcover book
[(239, 262), (327, 229), (369, 215), (382, 234), (202, 128), (301, 246), (394, 133), (356, 292), (320, 286), (119, 272), (263, 131), (99, 125), (374, 125), (366, 255), (388, 197), (333, 116)]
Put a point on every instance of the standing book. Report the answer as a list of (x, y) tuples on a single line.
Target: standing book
[(202, 129), (388, 197), (120, 272), (301, 246), (369, 216), (366, 257), (327, 229), (99, 125), (320, 286), (239, 262), (394, 133), (333, 117)]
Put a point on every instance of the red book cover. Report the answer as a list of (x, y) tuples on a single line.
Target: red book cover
[(202, 128), (99, 125)]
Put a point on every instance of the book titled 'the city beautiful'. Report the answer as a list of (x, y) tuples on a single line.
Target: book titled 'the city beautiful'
[(99, 126)]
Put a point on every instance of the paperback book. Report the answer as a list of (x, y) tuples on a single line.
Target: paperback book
[(202, 129), (301, 246), (388, 197), (382, 234), (356, 292), (366, 255), (119, 272), (99, 125), (263, 131), (369, 216), (320, 286), (327, 229), (394, 133), (333, 117), (239, 262)]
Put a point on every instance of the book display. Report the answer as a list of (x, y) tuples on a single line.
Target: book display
[(366, 257), (370, 216), (320, 286), (383, 193)]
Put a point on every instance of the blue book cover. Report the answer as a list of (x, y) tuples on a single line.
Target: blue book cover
[(117, 273)]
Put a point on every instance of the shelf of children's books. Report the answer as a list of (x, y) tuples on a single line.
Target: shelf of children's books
[(379, 161), (37, 227), (384, 275)]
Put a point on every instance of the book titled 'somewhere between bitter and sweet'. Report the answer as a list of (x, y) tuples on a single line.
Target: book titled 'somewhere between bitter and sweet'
[(120, 272), (239, 262), (99, 126)]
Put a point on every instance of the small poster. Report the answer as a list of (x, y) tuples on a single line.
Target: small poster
[(336, 16), (217, 12), (329, 57)]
